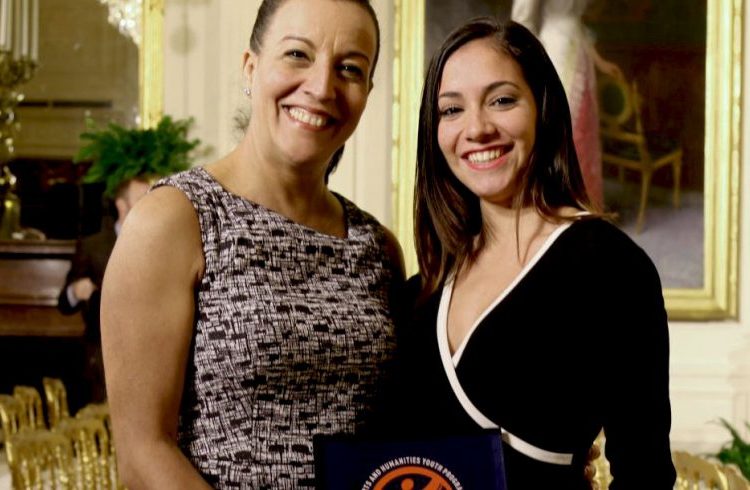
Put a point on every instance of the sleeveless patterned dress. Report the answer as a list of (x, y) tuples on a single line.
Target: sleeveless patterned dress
[(293, 330)]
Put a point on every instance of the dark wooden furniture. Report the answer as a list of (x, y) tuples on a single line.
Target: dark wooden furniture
[(33, 272), (36, 340)]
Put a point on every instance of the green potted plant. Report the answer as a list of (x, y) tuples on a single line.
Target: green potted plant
[(119, 154), (736, 451)]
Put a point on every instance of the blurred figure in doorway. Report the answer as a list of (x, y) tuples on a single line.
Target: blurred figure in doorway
[(558, 25)]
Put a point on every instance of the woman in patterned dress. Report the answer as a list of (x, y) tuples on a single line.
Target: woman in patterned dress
[(246, 307)]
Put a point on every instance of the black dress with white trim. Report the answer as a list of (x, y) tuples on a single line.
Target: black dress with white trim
[(578, 342)]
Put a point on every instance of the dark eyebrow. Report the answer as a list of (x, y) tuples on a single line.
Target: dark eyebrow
[(298, 38), (488, 88), (357, 54), (349, 54)]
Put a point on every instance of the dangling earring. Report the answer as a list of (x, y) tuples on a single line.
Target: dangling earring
[(246, 91)]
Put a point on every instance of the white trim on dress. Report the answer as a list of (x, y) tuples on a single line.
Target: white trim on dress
[(450, 362), (531, 263)]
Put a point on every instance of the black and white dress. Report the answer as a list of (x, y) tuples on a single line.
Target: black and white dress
[(578, 342), (293, 328)]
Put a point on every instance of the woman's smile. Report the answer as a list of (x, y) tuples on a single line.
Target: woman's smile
[(309, 119), (486, 159)]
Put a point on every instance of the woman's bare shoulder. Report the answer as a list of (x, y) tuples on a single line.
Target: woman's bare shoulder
[(163, 229)]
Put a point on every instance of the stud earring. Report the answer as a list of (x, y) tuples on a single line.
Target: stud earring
[(246, 91)]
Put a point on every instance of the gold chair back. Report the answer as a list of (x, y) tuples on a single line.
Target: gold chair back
[(95, 410), (11, 420), (627, 145), (735, 479), (94, 464), (11, 415), (41, 459), (32, 405), (99, 411), (694, 472), (56, 397)]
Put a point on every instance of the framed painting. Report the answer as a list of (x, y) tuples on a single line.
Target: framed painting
[(686, 61)]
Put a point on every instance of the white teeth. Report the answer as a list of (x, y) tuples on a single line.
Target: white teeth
[(484, 156), (303, 116)]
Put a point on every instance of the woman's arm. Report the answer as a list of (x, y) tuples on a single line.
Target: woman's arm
[(637, 409), (147, 323)]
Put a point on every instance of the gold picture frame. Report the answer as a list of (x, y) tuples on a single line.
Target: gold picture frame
[(150, 64), (717, 298)]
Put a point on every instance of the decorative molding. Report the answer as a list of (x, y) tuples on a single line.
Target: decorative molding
[(718, 297), (408, 73), (151, 64)]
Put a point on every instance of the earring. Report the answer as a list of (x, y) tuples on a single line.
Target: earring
[(246, 91)]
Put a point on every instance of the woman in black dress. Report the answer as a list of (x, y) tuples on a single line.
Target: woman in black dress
[(536, 316)]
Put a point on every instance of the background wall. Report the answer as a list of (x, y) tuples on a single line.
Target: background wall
[(710, 369), (709, 361)]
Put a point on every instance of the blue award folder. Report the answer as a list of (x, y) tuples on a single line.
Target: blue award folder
[(446, 463)]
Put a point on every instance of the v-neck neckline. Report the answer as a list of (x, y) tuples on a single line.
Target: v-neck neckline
[(447, 294)]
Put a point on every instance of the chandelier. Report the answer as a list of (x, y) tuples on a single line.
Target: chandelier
[(126, 16)]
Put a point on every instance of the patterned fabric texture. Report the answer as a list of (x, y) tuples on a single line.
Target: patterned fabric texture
[(292, 333)]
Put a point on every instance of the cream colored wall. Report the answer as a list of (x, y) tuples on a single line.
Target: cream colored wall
[(710, 371), (204, 41), (710, 362)]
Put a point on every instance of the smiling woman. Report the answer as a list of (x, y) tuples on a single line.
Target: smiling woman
[(262, 313), (517, 270)]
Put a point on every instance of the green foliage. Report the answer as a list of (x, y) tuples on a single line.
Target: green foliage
[(736, 451), (119, 154)]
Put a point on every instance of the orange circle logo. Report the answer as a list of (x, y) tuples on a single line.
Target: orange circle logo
[(426, 476)]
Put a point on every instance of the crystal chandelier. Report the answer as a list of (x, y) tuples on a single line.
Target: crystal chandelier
[(126, 16)]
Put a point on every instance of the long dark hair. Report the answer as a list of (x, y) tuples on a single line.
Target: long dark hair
[(448, 221), (266, 12)]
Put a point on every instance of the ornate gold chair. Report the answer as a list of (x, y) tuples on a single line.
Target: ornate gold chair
[(694, 472), (735, 479), (626, 145), (56, 397), (99, 411), (11, 420), (41, 459), (32, 405), (95, 410), (93, 462)]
